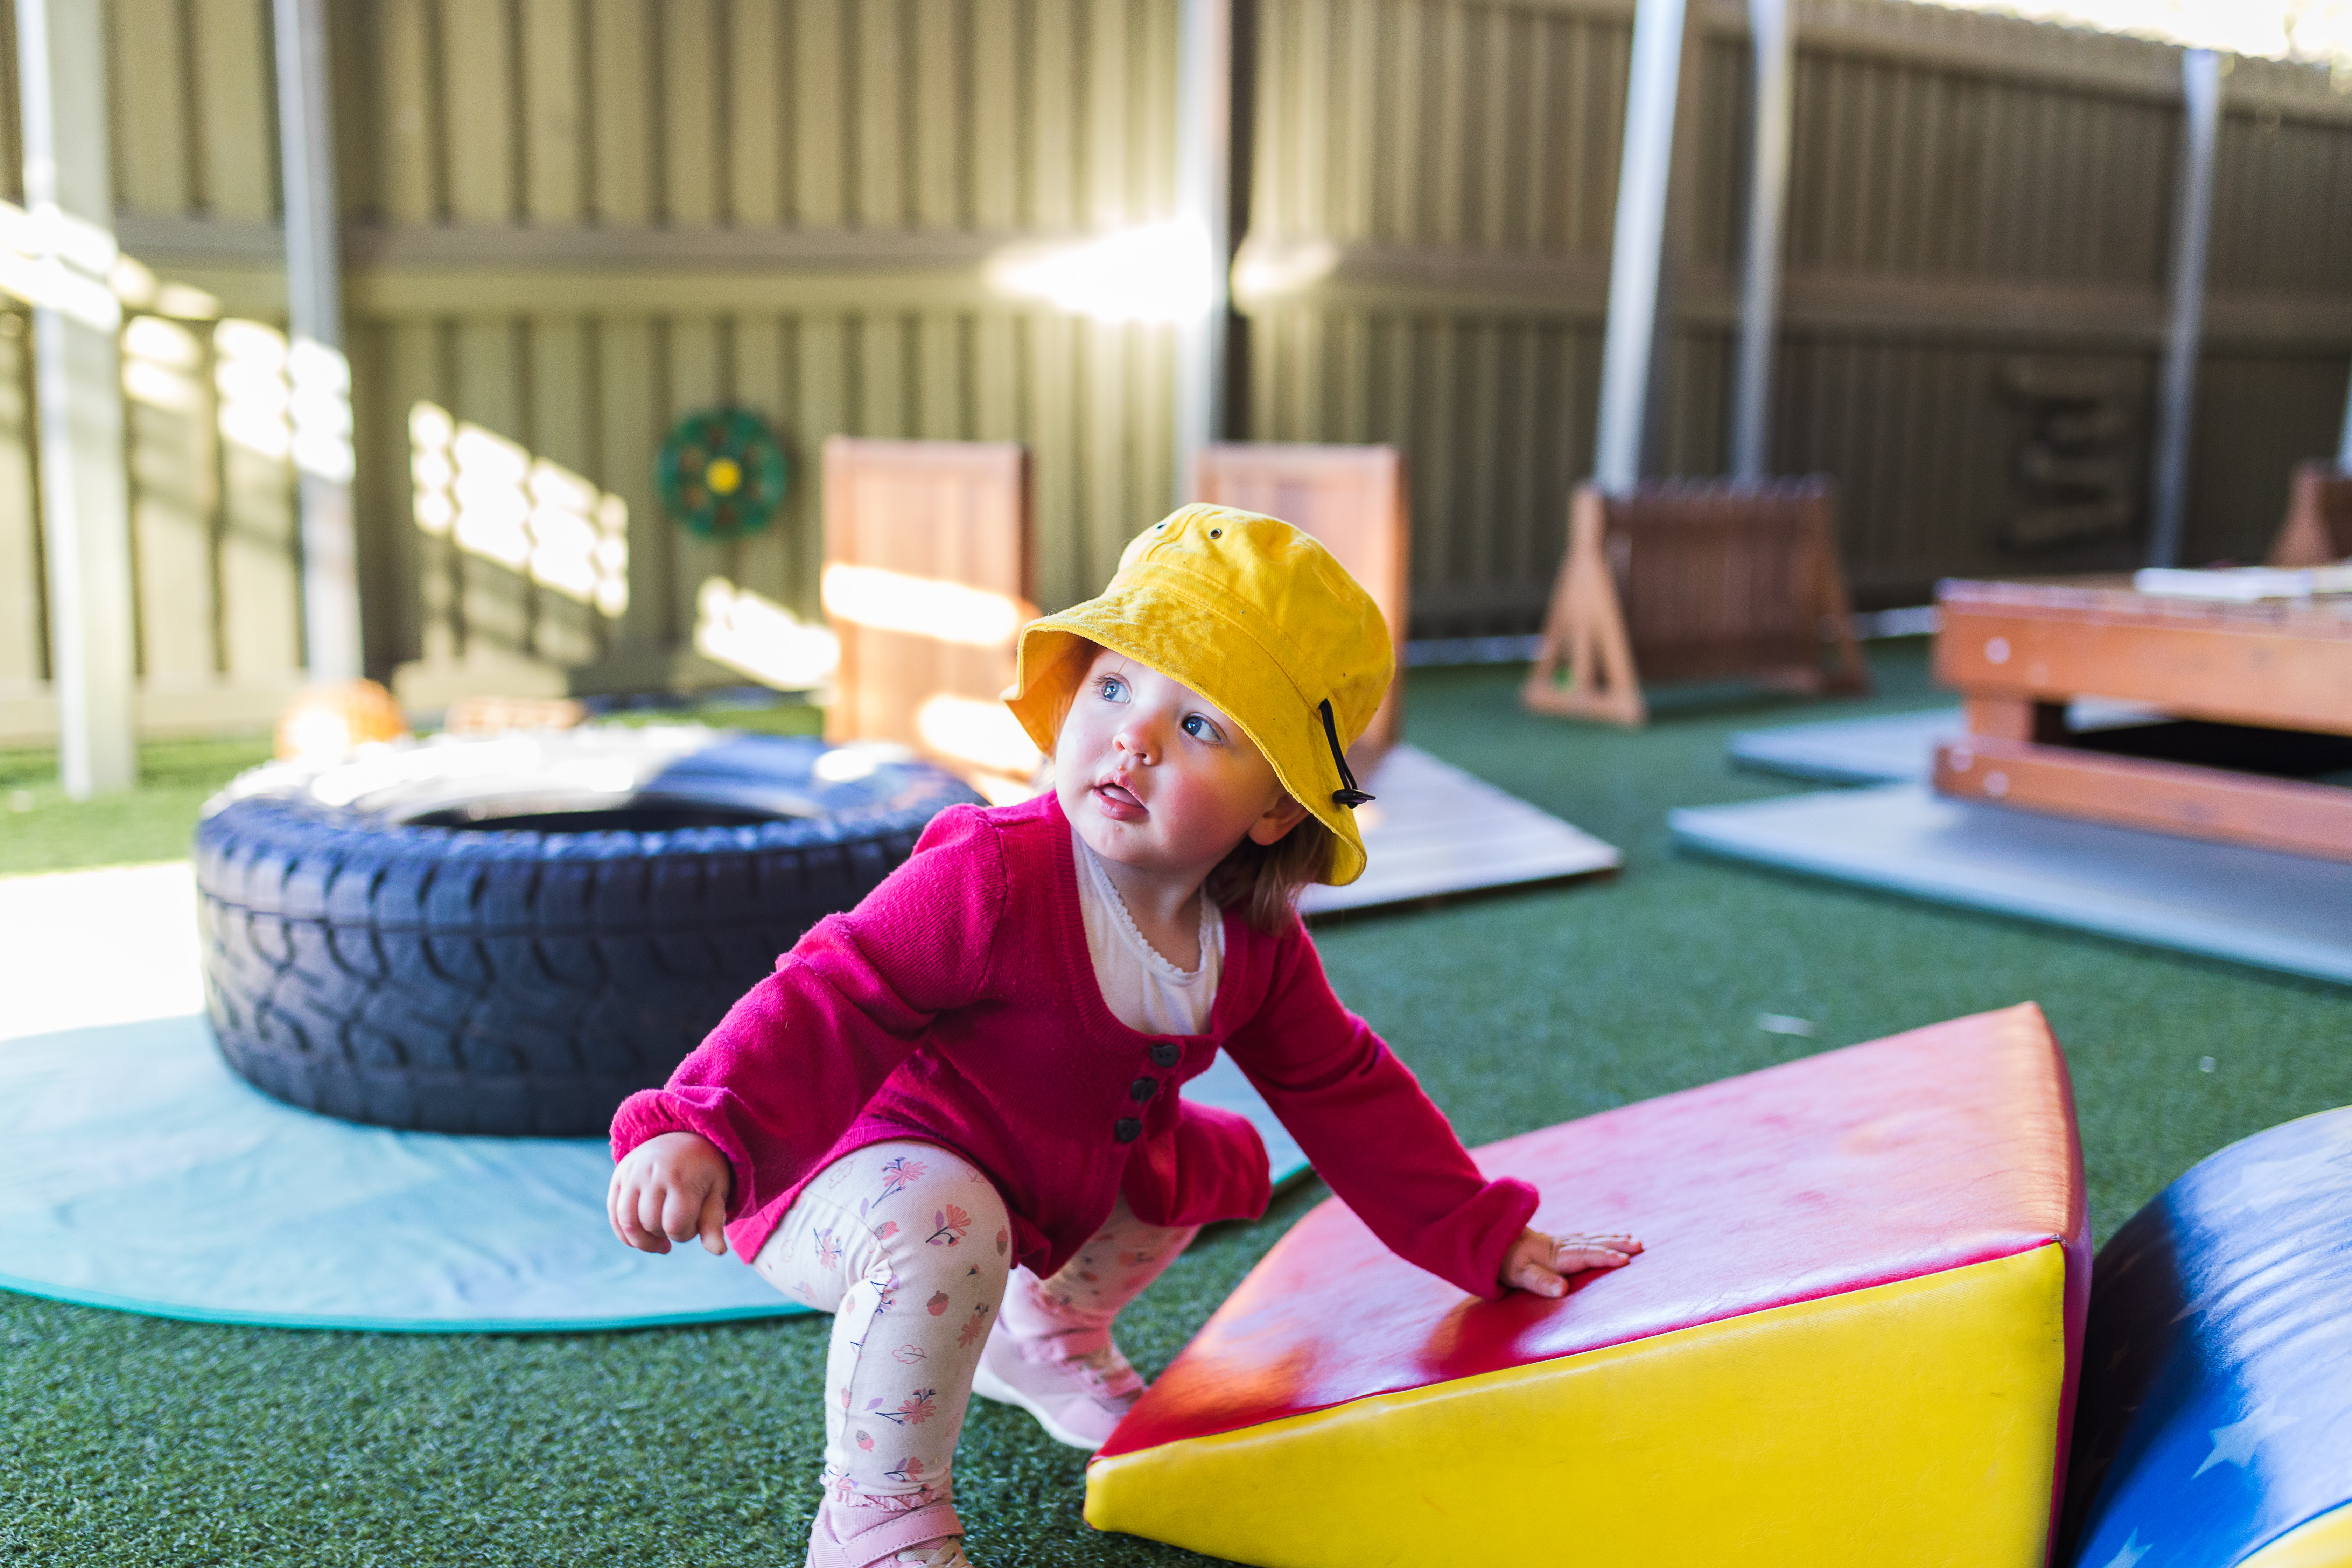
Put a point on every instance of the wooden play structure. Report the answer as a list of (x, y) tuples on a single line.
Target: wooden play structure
[(1696, 581), (2248, 697), (1352, 500), (2318, 526), (926, 574)]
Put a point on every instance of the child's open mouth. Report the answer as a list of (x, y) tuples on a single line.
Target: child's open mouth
[(1118, 805)]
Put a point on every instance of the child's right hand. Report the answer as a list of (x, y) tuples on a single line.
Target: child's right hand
[(670, 1188)]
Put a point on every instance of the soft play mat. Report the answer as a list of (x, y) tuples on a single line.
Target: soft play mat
[(1888, 748), (2216, 1425), (1850, 1342), (2288, 912), (144, 1176)]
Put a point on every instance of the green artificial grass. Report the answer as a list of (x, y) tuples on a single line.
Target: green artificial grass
[(41, 830), (130, 1440)]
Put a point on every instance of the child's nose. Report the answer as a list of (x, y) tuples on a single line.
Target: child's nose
[(1136, 739)]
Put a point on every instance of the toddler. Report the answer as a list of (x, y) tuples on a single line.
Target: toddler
[(952, 1118)]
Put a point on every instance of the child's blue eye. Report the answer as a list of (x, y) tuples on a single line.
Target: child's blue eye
[(1200, 729), (1113, 689)]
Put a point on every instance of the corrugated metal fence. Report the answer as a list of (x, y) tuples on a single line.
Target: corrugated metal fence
[(570, 221)]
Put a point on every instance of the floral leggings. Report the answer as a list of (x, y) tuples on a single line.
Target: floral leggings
[(908, 1245)]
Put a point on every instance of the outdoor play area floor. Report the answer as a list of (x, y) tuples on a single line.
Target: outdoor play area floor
[(134, 1440)]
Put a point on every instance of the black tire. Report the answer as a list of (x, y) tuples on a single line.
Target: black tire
[(367, 958)]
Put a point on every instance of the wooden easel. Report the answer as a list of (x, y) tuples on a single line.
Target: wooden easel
[(2318, 526), (926, 574), (1352, 499), (1694, 580)]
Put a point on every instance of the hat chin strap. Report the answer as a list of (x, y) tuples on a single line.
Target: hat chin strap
[(1350, 796)]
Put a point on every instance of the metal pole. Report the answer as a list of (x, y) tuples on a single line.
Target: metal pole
[(2200, 91), (1637, 245), (1204, 113), (77, 389), (1768, 196), (320, 375)]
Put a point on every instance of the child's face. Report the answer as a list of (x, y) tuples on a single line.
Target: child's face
[(1155, 776)]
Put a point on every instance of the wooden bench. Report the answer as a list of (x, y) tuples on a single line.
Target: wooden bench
[(927, 583), (2318, 526), (1696, 580), (1352, 500), (2250, 718)]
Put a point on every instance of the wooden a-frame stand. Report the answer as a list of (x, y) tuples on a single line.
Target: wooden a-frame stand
[(1694, 582)]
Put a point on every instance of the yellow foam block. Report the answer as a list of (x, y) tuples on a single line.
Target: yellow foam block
[(1915, 1421)]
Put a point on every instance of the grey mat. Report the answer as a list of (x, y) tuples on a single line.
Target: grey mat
[(1433, 831), (2276, 911), (1887, 748)]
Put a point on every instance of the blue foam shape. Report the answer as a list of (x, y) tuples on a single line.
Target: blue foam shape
[(2215, 1413), (146, 1177)]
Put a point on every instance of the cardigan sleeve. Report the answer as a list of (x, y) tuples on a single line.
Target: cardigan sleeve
[(1361, 1117), (791, 1066)]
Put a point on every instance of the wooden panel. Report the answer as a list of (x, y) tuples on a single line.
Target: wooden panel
[(820, 154), (695, 382), (765, 563), (693, 101), (2162, 797), (2281, 664), (171, 453), (260, 586), (477, 56), (632, 433), (997, 111), (619, 75), (880, 177), (23, 628), (235, 93), (948, 521), (411, 176), (494, 595), (563, 629), (758, 102), (150, 105), (554, 131), (1352, 500)]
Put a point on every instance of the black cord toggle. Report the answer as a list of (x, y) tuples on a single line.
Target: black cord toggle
[(1352, 796)]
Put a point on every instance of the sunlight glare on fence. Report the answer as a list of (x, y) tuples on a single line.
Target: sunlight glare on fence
[(161, 360), (983, 733), (249, 371), (754, 635), (888, 601), (497, 501), (1159, 273)]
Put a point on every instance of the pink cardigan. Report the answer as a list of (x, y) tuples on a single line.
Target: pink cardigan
[(957, 1005)]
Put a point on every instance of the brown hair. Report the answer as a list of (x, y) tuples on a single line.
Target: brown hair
[(1262, 880)]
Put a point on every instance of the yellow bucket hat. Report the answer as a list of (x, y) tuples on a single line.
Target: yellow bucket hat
[(1257, 617)]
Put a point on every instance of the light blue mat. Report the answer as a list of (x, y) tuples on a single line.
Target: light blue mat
[(1883, 750), (1889, 748), (143, 1175), (2286, 912)]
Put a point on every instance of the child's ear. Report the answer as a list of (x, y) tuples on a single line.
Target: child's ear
[(1280, 817)]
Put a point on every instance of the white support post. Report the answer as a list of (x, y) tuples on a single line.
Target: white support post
[(1768, 196), (1204, 115), (1638, 244), (77, 389), (2200, 91), (320, 375)]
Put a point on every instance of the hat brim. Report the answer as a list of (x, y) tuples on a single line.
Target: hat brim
[(1189, 640)]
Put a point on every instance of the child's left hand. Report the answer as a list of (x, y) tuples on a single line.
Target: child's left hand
[(1542, 1263)]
